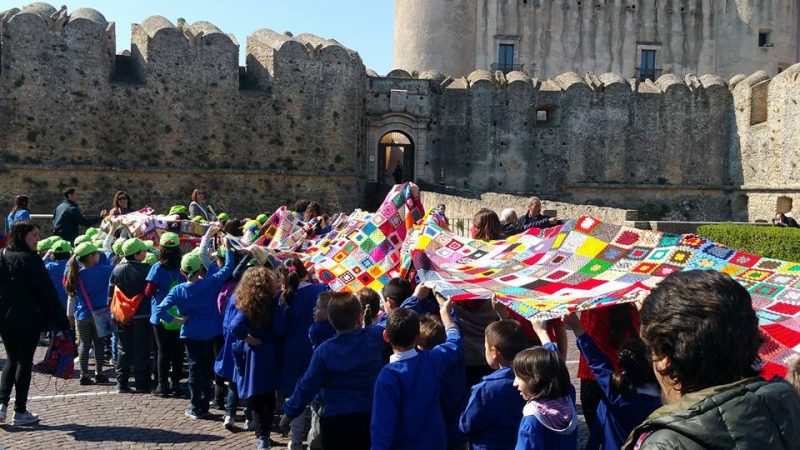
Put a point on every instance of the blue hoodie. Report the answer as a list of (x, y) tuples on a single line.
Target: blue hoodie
[(197, 301)]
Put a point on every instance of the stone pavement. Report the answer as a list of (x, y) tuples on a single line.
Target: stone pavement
[(83, 417)]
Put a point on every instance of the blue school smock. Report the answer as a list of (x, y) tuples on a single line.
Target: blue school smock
[(20, 215), (163, 280), (493, 413), (453, 401), (404, 416), (422, 306), (197, 302), (257, 367), (224, 364), (533, 435), (617, 416), (292, 322), (343, 371), (320, 332), (56, 270), (95, 280)]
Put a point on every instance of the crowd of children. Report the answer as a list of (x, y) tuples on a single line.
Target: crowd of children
[(373, 370)]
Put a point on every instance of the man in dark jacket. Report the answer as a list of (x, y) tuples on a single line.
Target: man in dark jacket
[(67, 218), (703, 337), (532, 219)]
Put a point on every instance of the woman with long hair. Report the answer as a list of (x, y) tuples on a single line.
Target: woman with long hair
[(19, 213), (122, 204), (486, 226), (257, 350), (28, 305), (200, 207)]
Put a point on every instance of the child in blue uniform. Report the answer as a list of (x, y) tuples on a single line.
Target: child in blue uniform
[(406, 414), (196, 299), (56, 267), (256, 352), (629, 394), (294, 317), (89, 287), (491, 418), (549, 420), (343, 371)]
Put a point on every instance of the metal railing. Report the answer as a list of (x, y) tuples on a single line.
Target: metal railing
[(647, 73), (506, 68)]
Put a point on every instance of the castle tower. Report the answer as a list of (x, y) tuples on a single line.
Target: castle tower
[(635, 38)]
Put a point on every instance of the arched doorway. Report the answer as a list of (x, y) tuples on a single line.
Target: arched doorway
[(395, 158)]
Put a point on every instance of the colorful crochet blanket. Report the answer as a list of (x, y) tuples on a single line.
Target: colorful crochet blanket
[(586, 264)]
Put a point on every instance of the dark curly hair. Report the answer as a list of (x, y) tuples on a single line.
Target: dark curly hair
[(705, 323)]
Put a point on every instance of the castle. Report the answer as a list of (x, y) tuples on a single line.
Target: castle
[(306, 118)]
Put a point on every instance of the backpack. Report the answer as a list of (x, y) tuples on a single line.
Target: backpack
[(123, 308), (173, 311)]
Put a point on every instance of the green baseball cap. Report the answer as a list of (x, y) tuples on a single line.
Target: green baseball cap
[(133, 246), (150, 259), (117, 246), (81, 239), (262, 218), (169, 239), (198, 219), (178, 209), (61, 246), (47, 243), (223, 217), (86, 248), (92, 232), (190, 263)]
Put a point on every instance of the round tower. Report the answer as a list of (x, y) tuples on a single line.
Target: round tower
[(435, 35)]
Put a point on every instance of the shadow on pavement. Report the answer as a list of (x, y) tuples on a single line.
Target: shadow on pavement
[(102, 433)]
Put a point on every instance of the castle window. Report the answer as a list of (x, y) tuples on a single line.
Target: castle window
[(764, 38), (546, 116), (505, 59), (647, 65)]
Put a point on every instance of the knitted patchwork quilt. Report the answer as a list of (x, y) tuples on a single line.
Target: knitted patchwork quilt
[(585, 264)]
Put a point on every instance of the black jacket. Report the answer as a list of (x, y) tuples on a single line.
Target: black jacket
[(752, 414), (67, 218), (27, 296), (527, 221)]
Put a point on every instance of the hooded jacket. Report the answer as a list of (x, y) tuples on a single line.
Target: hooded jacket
[(751, 414)]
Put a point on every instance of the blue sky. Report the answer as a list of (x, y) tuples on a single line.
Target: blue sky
[(367, 32)]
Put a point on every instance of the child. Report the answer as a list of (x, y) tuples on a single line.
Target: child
[(453, 398), (549, 419), (163, 276), (293, 319), (56, 266), (371, 304), (405, 416), (398, 293), (88, 286), (492, 416), (343, 370), (130, 278), (320, 331), (629, 394), (257, 350), (196, 299)]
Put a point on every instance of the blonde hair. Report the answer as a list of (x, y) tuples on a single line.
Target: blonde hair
[(793, 375)]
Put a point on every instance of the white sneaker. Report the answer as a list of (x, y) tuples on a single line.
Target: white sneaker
[(3, 412), (248, 425), (228, 423), (25, 418)]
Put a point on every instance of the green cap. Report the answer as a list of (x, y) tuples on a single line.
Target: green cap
[(117, 247), (198, 219), (47, 243), (169, 239), (178, 209), (86, 248), (149, 245), (61, 246), (262, 219), (133, 246), (92, 232), (190, 263), (223, 217), (150, 259), (81, 239)]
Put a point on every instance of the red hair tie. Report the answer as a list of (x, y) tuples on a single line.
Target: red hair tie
[(292, 269)]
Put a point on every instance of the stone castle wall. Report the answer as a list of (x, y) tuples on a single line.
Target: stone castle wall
[(304, 118)]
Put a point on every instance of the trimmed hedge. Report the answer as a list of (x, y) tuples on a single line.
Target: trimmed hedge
[(772, 242)]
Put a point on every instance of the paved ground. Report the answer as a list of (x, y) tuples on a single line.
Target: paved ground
[(78, 417)]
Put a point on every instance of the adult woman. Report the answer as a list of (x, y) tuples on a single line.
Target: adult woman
[(28, 305), (199, 207), (703, 338), (20, 212), (486, 226), (122, 204)]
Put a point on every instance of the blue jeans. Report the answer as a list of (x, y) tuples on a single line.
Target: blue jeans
[(233, 402), (200, 359)]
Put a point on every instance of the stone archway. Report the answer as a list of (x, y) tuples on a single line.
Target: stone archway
[(395, 158)]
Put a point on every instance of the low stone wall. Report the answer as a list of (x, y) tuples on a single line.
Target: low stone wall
[(465, 207)]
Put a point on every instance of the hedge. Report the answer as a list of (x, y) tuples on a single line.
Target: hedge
[(772, 242)]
